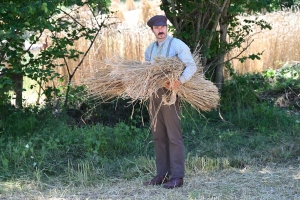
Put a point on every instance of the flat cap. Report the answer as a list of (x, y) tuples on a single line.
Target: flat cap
[(157, 20)]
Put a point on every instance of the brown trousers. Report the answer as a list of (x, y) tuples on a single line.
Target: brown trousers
[(167, 136)]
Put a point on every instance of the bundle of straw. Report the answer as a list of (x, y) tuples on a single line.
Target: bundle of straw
[(140, 80)]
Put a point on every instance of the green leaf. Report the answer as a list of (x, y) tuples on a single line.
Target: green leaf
[(44, 7)]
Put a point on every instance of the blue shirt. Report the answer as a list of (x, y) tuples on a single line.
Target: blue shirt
[(177, 48)]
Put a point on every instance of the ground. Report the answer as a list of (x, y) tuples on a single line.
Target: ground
[(252, 182)]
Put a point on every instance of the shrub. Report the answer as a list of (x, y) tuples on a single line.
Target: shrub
[(18, 122), (240, 91)]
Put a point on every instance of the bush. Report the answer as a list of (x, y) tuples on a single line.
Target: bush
[(18, 122), (240, 91), (85, 109), (54, 146)]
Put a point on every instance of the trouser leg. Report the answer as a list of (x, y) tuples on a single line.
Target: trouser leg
[(167, 135), (176, 146), (160, 137)]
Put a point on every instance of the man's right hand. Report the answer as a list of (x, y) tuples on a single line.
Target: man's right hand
[(172, 86)]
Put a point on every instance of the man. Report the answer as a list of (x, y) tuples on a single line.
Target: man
[(167, 135)]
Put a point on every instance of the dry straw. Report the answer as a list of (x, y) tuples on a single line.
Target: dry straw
[(130, 5), (146, 11), (149, 9), (136, 80), (116, 8), (279, 45)]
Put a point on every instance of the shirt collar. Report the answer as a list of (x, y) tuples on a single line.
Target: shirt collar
[(163, 42)]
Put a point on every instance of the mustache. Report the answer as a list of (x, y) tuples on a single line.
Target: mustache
[(161, 33)]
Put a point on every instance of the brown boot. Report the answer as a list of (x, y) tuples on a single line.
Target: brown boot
[(173, 183), (157, 180)]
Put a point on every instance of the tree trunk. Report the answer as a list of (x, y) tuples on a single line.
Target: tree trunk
[(18, 88), (219, 79)]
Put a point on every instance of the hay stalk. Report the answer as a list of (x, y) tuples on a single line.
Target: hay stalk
[(138, 81)]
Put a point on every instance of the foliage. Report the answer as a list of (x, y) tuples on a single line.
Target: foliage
[(26, 119), (248, 90), (54, 148), (29, 21), (121, 110), (240, 91), (284, 78), (5, 86), (284, 87)]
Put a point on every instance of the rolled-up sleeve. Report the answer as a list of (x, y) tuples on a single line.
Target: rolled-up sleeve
[(185, 55)]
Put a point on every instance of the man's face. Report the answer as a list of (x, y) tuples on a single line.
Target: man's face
[(160, 32)]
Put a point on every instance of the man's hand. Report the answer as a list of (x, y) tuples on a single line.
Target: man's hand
[(173, 86)]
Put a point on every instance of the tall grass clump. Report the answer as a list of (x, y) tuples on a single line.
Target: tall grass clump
[(116, 8), (130, 5), (149, 9), (279, 45)]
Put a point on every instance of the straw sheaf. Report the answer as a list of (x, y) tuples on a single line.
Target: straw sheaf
[(136, 80)]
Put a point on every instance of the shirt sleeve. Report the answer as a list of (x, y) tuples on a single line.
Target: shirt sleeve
[(185, 55)]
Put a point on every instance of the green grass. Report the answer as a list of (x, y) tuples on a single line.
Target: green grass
[(246, 130), (84, 154)]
